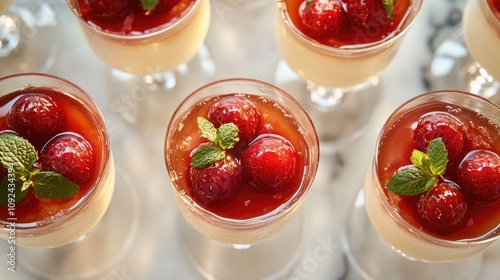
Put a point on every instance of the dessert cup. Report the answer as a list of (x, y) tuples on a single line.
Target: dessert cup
[(42, 246), (241, 243), (29, 32), (151, 70), (338, 86), (374, 225), (466, 58)]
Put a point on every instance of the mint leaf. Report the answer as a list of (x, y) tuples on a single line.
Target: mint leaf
[(149, 5), (438, 156), (207, 129), (52, 185), (17, 153), (18, 156), (410, 181), (228, 135), (223, 138), (389, 7), (428, 168), (11, 190), (421, 160), (206, 155)]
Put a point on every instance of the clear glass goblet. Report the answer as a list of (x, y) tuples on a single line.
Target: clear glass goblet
[(466, 59), (384, 234), (29, 36), (151, 71), (266, 243), (62, 242), (338, 86)]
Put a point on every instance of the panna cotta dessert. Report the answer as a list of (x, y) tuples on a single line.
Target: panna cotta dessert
[(57, 169), (433, 190), (481, 32), (241, 155), (341, 43), (138, 38)]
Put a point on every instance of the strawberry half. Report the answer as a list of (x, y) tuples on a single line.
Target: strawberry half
[(71, 156), (37, 117), (440, 125), (479, 175), (323, 17), (217, 184), (239, 111), (269, 164), (443, 209)]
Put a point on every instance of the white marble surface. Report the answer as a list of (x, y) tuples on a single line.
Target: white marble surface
[(241, 42)]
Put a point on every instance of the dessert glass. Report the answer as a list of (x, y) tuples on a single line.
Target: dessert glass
[(29, 35), (340, 85), (153, 68), (466, 58), (58, 246), (242, 242), (389, 237)]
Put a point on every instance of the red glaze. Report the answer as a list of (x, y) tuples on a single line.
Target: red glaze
[(395, 152), (129, 17), (247, 203), (362, 25), (32, 209)]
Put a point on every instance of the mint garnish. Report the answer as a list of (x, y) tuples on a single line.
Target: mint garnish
[(428, 168), (18, 156), (389, 7), (149, 5), (223, 138)]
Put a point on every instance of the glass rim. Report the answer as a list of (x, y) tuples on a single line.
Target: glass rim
[(82, 204), (491, 17), (280, 211), (360, 49), (179, 23), (485, 238)]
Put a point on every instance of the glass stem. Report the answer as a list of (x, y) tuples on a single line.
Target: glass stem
[(162, 81), (10, 34), (324, 97), (480, 82)]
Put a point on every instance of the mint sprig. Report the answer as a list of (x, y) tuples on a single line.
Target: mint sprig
[(18, 157), (389, 7), (149, 5), (221, 139), (427, 169)]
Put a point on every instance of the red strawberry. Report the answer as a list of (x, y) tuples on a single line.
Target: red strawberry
[(239, 111), (269, 164), (216, 184), (439, 124), (479, 175), (37, 117), (369, 15), (324, 17), (443, 209), (71, 156), (108, 10), (496, 4)]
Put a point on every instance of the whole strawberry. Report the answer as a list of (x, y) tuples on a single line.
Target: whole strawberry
[(217, 184), (239, 111), (323, 17), (37, 117), (368, 15), (440, 125), (479, 175), (71, 156), (443, 209), (269, 164)]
